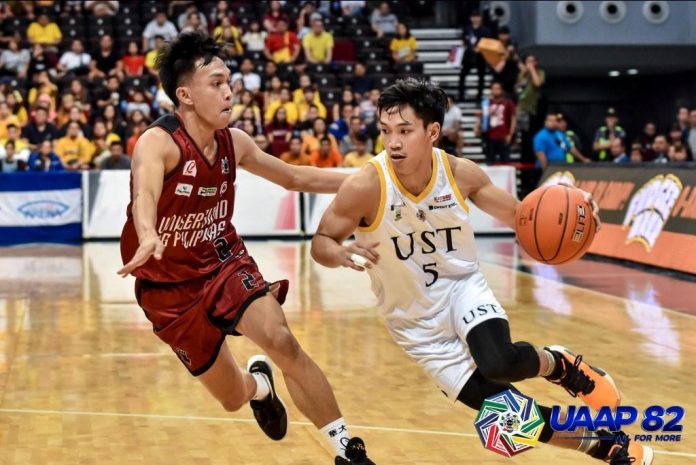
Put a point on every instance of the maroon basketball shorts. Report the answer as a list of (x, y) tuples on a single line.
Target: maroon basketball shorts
[(194, 316)]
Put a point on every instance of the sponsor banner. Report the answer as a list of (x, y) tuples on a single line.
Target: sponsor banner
[(648, 212), (106, 196), (40, 207), (502, 176)]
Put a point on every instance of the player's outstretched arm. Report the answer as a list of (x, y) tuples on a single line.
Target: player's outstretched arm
[(293, 178), (148, 177), (475, 183), (357, 200)]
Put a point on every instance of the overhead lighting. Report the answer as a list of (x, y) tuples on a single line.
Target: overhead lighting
[(632, 71), (614, 73)]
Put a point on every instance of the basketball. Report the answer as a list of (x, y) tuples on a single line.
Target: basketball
[(554, 224)]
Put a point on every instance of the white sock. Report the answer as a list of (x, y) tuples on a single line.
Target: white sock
[(552, 363), (337, 433), (263, 386), (586, 445)]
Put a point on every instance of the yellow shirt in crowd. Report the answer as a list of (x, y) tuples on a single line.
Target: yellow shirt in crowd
[(291, 112), (318, 45), (354, 160), (72, 151), (403, 47), (50, 34), (303, 107), (11, 119)]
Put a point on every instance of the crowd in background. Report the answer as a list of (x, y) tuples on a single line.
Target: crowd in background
[(68, 105)]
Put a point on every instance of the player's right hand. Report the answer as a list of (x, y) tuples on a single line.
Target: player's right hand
[(150, 246), (368, 250)]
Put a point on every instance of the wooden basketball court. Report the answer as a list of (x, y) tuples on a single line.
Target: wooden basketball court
[(84, 381)]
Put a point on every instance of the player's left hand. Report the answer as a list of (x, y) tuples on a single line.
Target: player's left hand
[(150, 246)]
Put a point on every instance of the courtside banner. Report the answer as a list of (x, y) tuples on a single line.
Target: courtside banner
[(40, 207), (648, 212)]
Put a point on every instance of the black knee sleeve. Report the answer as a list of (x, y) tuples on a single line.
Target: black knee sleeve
[(497, 357)]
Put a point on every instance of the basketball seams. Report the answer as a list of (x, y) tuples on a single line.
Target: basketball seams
[(565, 225), (582, 250)]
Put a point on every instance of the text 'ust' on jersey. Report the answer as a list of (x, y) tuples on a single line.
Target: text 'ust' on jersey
[(194, 211), (426, 241)]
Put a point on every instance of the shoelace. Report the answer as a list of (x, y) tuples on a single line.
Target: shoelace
[(574, 380), (621, 456)]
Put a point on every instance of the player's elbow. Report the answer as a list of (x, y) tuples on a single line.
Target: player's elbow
[(319, 251)]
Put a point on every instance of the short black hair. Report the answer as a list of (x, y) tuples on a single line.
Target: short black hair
[(325, 139), (115, 142), (429, 101), (178, 58)]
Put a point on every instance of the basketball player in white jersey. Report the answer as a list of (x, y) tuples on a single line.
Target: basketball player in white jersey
[(409, 208)]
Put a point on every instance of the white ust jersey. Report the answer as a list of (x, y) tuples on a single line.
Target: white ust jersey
[(426, 242)]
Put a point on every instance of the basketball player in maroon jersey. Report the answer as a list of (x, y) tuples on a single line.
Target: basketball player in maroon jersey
[(194, 278)]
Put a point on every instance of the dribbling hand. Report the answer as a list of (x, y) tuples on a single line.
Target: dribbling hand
[(591, 201), (366, 250), (150, 246)]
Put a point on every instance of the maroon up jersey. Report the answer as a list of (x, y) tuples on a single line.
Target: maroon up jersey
[(194, 212)]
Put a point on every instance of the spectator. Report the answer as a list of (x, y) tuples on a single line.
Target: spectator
[(133, 61), (683, 118), (678, 153), (403, 47), (10, 164), (80, 94), (309, 99), (452, 141), (472, 33), (383, 21), (291, 111), (15, 104), (151, 57), (604, 135), (311, 139), (45, 159), (13, 61), (114, 121), (646, 139), (341, 126), (70, 111), (551, 145), (74, 61), (294, 155), (347, 98), (305, 17), (675, 135), (368, 107), (305, 127), (636, 153), (74, 150), (497, 124), (20, 146), (199, 23), (194, 24), (305, 82), (279, 131), (690, 138), (229, 34), (326, 156), (45, 32), (117, 160), (6, 119), (272, 92), (505, 71), (40, 129), (247, 102), (618, 151), (105, 61), (159, 26), (102, 140), (282, 46), (254, 39), (661, 149), (247, 125), (360, 156), (571, 135), (252, 81), (349, 142), (270, 70), (360, 82), (272, 19), (38, 62), (138, 128), (261, 141), (528, 91), (220, 11), (318, 45), (138, 103), (101, 7), (111, 94), (352, 7)]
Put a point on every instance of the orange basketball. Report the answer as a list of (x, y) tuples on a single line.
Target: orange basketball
[(554, 224)]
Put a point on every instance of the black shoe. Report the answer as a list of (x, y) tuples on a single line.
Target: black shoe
[(270, 413), (618, 449), (355, 454)]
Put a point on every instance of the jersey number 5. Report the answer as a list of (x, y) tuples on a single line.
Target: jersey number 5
[(431, 269)]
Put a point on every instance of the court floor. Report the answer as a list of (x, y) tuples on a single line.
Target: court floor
[(84, 381)]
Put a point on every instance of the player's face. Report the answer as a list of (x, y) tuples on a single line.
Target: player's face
[(210, 93), (408, 143)]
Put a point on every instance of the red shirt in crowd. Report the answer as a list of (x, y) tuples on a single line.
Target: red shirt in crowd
[(500, 118)]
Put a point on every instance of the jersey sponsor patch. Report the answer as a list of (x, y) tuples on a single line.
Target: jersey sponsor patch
[(183, 189), (190, 168), (225, 164), (443, 198), (207, 191)]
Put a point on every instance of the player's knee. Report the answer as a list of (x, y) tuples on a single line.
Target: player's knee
[(285, 349), (498, 366)]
